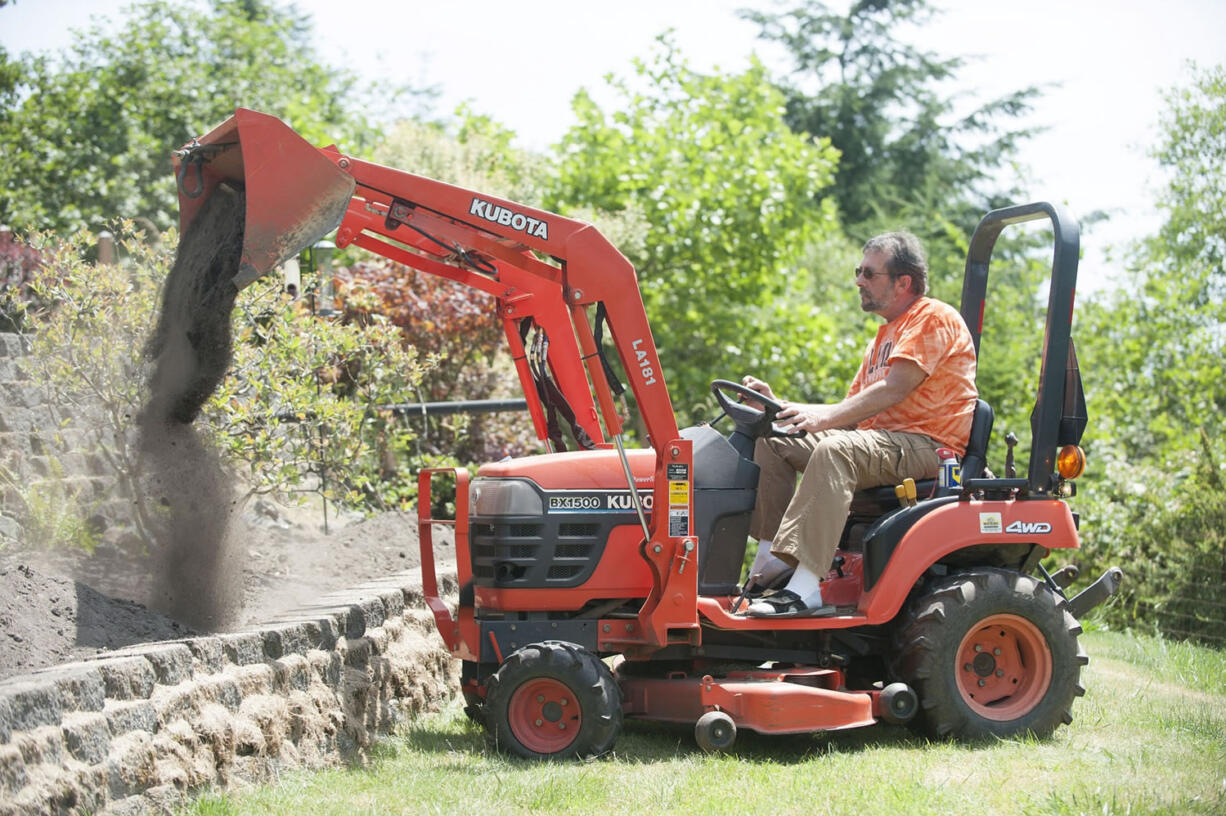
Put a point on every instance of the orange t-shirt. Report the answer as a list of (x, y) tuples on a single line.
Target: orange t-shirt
[(933, 336)]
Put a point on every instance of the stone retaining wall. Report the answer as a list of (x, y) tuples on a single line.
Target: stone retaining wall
[(136, 730)]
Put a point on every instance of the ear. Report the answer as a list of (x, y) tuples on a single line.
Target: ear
[(907, 286)]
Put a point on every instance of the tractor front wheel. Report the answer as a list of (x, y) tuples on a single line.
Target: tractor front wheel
[(990, 652), (553, 700)]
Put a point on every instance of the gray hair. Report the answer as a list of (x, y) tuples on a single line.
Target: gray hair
[(904, 256)]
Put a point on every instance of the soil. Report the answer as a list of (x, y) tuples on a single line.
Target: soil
[(58, 607)]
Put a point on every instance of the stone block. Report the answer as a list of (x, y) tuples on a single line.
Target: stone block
[(9, 528), (208, 652), (171, 662), (222, 690), (14, 345), (80, 686), (367, 613), (283, 639), (31, 703), (87, 736), (41, 746), (12, 770), (131, 766), (243, 648), (128, 678), (131, 715)]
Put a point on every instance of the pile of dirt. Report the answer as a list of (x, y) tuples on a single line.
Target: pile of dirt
[(56, 607), (47, 619)]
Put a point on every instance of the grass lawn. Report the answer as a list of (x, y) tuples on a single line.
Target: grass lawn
[(1149, 737)]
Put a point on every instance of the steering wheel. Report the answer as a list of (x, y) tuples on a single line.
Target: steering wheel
[(752, 422)]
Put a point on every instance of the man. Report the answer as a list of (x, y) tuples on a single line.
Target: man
[(914, 393)]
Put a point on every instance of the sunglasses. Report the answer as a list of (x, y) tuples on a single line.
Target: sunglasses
[(869, 274)]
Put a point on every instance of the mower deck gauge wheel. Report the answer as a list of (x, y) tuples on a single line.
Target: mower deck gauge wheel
[(715, 732)]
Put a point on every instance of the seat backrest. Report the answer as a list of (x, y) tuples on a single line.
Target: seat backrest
[(976, 457)]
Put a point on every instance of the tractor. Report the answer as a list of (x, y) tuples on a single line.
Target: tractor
[(602, 583)]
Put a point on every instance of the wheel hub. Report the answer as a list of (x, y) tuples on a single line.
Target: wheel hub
[(544, 715), (1005, 667)]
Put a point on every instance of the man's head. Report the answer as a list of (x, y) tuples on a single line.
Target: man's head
[(892, 275)]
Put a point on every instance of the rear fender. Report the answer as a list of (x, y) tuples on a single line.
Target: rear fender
[(959, 525)]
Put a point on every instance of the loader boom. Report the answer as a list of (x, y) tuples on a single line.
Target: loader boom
[(545, 271), (296, 193)]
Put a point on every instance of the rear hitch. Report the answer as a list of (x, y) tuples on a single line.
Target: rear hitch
[(1097, 592)]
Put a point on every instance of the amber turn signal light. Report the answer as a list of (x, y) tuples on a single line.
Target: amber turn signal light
[(1071, 462)]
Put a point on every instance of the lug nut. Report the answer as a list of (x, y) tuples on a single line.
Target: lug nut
[(996, 652), (540, 698), (983, 683), (539, 723), (1000, 672), (967, 667)]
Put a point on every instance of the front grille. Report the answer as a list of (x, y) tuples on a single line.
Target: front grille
[(520, 552)]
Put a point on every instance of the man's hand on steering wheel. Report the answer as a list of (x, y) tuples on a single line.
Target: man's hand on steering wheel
[(761, 387), (799, 416)]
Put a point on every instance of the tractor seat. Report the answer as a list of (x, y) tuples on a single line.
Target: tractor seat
[(876, 501)]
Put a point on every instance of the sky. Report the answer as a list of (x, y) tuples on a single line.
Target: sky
[(1103, 64)]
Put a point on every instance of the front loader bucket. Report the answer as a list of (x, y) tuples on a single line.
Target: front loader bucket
[(295, 193)]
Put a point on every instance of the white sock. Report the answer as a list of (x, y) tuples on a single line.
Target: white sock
[(766, 564), (807, 585)]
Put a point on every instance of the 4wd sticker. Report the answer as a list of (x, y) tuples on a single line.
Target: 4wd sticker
[(1028, 527), (603, 501), (509, 218)]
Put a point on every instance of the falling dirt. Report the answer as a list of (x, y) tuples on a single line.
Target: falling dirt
[(190, 493)]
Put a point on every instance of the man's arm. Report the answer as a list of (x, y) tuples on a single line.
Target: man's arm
[(903, 378)]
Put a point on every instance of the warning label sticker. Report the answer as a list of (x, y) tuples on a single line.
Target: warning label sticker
[(990, 523), (678, 523), (679, 494)]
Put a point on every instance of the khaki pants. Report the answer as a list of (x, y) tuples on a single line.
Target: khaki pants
[(804, 523)]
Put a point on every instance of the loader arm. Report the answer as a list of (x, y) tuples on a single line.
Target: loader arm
[(539, 266), (296, 193)]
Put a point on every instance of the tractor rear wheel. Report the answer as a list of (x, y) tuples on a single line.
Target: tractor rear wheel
[(990, 652), (553, 700)]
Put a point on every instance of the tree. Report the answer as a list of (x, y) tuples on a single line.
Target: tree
[(1159, 338), (1152, 361), (725, 191), (905, 154), (87, 135)]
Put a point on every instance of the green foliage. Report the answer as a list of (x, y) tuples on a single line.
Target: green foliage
[(1151, 357), (454, 324), (1166, 526), (456, 327), (301, 406), (727, 195), (86, 354), (908, 152), (55, 512), (87, 135)]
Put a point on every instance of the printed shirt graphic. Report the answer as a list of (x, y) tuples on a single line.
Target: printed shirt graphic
[(932, 335)]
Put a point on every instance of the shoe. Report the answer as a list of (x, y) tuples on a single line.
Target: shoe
[(762, 583), (787, 604)]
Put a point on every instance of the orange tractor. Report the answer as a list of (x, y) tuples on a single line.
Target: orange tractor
[(601, 584)]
